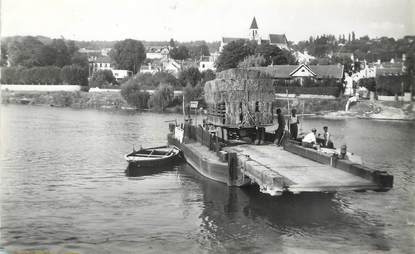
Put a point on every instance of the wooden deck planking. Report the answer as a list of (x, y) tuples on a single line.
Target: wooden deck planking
[(305, 173)]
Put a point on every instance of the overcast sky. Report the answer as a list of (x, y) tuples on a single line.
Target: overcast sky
[(209, 20)]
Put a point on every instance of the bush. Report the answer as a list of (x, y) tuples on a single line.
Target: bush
[(191, 76), (74, 75), (195, 93), (11, 75), (162, 98), (368, 83), (35, 75), (102, 78), (133, 93), (391, 85)]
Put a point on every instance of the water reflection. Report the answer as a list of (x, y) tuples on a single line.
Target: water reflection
[(257, 222), (134, 171)]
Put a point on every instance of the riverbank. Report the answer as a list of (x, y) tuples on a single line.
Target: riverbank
[(379, 110), (78, 99), (325, 108)]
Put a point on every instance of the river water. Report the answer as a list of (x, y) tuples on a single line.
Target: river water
[(64, 190)]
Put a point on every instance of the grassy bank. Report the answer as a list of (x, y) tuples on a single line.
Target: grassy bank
[(311, 105)]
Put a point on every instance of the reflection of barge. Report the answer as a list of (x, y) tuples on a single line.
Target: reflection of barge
[(239, 109)]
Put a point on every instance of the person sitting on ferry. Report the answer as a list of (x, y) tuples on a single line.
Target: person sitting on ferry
[(310, 139)]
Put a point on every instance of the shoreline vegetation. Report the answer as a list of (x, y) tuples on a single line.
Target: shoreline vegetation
[(314, 107)]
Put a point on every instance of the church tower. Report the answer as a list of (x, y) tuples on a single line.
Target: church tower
[(253, 30)]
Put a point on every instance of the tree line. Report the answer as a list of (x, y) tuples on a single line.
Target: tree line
[(244, 53), (190, 81), (35, 62)]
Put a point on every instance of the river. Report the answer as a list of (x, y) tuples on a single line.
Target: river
[(64, 190)]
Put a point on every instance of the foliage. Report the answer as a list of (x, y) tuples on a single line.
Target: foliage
[(133, 93), (128, 54), (190, 76), (196, 51), (151, 81), (233, 53), (25, 52), (102, 78), (368, 83), (208, 75), (192, 93), (274, 55), (391, 85), (80, 59), (179, 53), (237, 51), (3, 59), (11, 75), (35, 75), (162, 98), (253, 61), (74, 75)]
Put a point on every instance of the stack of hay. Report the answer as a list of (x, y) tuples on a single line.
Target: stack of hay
[(247, 94)]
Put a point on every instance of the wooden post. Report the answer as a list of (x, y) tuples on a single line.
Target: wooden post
[(232, 166)]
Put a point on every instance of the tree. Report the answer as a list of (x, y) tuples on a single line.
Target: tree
[(3, 59), (171, 43), (179, 53), (233, 53), (190, 76), (198, 50), (62, 57), (102, 78), (353, 36), (162, 97), (25, 52), (80, 59), (208, 75), (253, 61), (74, 75), (133, 93), (128, 54)]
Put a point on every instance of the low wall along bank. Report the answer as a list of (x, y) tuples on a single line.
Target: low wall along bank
[(41, 88)]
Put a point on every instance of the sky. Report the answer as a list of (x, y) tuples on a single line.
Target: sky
[(189, 20)]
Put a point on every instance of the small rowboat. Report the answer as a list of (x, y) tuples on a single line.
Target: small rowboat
[(154, 156)]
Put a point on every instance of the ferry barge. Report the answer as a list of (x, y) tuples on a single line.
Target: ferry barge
[(233, 147)]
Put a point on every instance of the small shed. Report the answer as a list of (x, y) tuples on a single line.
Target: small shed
[(240, 98)]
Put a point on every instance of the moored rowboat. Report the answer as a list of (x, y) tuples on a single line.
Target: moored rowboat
[(154, 156)]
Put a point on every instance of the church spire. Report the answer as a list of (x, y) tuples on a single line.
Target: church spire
[(253, 30), (253, 24)]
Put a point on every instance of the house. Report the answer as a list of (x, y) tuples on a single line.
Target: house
[(100, 63), (279, 40), (121, 74), (171, 66), (149, 68), (208, 62), (317, 72), (305, 79), (157, 52)]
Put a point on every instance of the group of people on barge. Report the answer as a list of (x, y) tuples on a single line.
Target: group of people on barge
[(311, 139)]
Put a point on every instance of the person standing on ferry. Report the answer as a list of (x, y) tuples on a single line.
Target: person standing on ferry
[(294, 124)]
